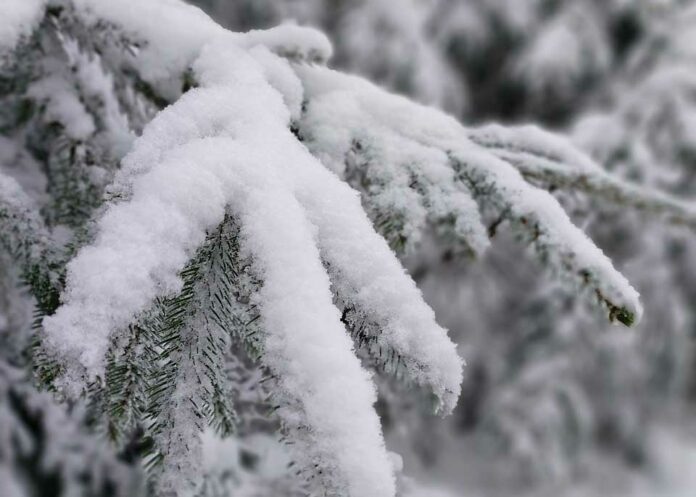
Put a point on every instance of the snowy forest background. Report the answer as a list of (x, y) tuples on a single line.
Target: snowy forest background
[(558, 397)]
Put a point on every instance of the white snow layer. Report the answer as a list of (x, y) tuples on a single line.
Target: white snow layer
[(18, 19), (331, 135), (228, 143), (172, 33)]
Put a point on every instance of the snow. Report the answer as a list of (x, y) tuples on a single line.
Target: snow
[(552, 161), (279, 75), (310, 351), (19, 17), (297, 43), (337, 119), (63, 106), (228, 143), (379, 286), (534, 140), (97, 85), (171, 34), (333, 96)]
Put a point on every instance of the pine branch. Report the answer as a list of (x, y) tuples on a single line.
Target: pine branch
[(578, 263), (378, 354), (571, 170), (194, 333), (358, 108), (402, 194)]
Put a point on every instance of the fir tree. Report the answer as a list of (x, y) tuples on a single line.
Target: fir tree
[(218, 213)]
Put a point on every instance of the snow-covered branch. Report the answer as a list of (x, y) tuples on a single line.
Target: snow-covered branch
[(551, 162), (344, 110)]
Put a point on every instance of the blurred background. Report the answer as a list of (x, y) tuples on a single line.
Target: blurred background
[(555, 401)]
